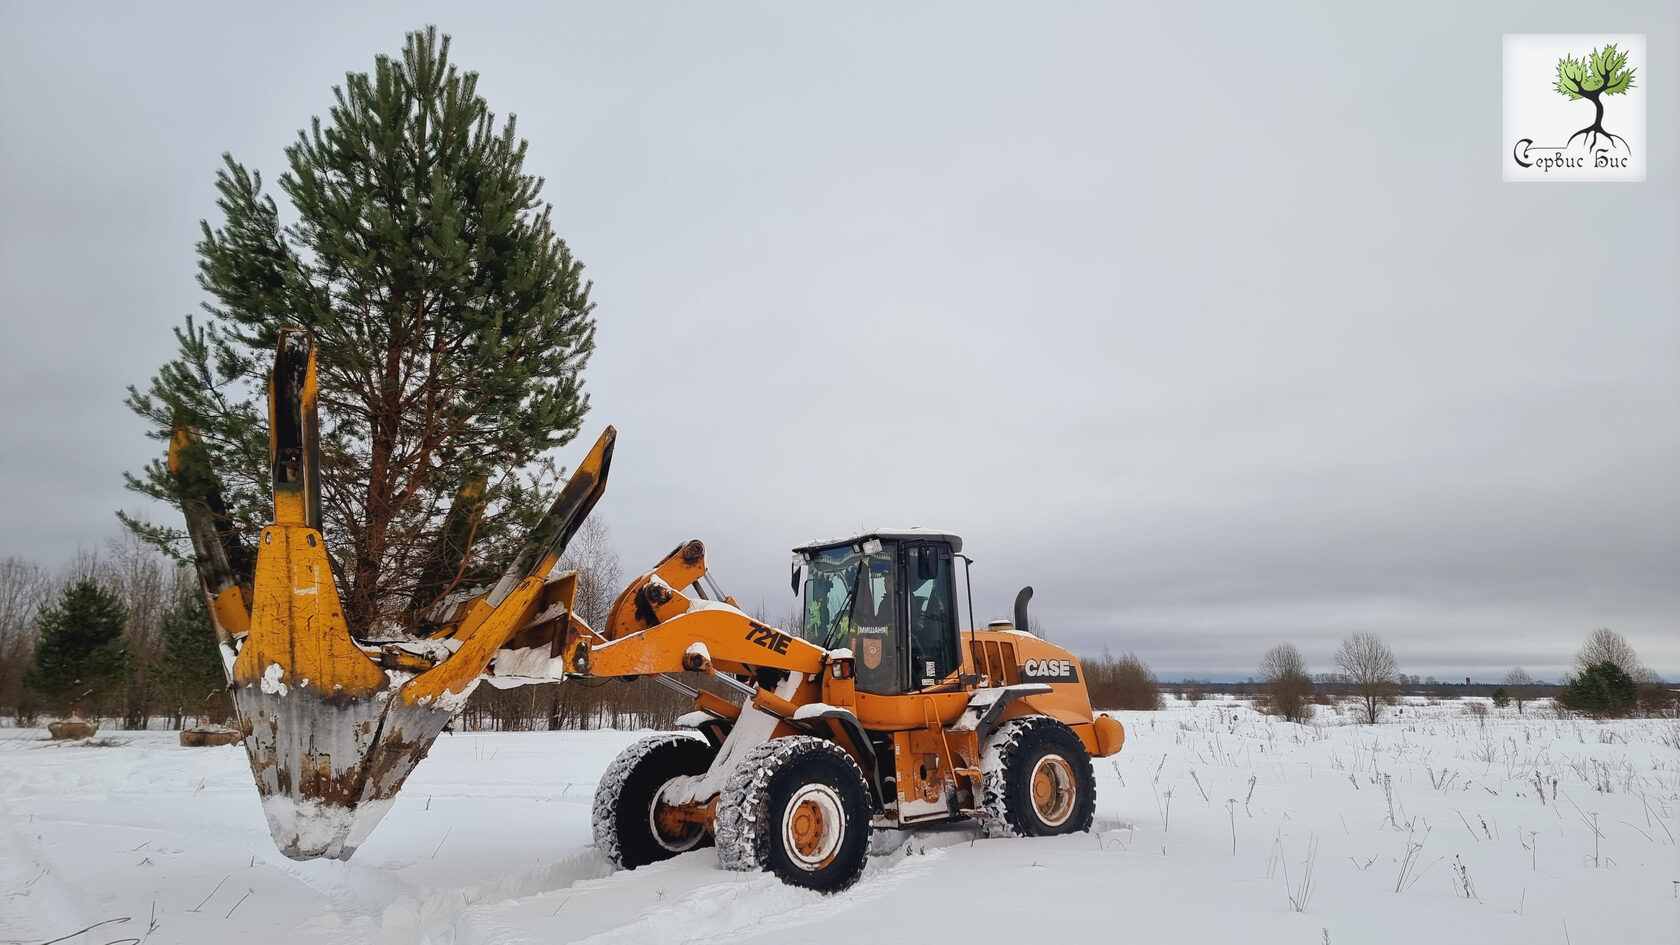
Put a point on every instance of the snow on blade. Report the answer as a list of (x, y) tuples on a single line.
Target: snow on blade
[(271, 683), (306, 829), (327, 768)]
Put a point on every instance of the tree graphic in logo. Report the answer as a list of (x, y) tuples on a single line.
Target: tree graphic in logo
[(1603, 73)]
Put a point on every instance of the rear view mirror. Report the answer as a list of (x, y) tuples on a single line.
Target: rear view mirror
[(798, 563)]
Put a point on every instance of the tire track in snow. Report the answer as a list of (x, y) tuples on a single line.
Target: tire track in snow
[(350, 888), (31, 889), (470, 914), (432, 913), (755, 903)]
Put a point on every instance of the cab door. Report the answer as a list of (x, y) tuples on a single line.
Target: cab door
[(930, 614), (924, 634), (877, 640)]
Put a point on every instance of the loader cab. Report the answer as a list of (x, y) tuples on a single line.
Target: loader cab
[(890, 597)]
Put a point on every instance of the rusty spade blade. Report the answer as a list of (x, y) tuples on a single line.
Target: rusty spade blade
[(330, 733), (224, 563)]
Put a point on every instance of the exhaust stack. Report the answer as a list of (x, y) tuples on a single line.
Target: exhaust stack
[(1021, 609)]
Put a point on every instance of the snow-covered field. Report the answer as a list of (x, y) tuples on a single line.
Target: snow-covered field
[(1214, 825)]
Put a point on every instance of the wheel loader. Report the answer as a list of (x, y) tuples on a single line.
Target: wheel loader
[(878, 710)]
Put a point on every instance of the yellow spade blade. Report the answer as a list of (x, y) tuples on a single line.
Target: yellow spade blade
[(332, 735)]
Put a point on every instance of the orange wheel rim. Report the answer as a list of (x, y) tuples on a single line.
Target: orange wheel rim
[(673, 827), (812, 827), (1054, 790)]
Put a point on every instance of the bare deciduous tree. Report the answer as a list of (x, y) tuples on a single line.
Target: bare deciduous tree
[(145, 580), (1605, 645), (1370, 668), (140, 576), (582, 704), (1123, 682), (1285, 686), (25, 587), (1518, 685), (592, 555)]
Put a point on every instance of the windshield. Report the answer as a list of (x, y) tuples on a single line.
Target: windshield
[(845, 588), (830, 581)]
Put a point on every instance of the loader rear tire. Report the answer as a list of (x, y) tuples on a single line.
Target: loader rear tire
[(797, 806), (625, 825), (1038, 780)]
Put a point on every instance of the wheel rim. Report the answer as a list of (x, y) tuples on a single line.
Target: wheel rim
[(812, 826), (1054, 790), (669, 829)]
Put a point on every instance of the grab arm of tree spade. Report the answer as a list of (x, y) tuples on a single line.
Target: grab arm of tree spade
[(334, 725)]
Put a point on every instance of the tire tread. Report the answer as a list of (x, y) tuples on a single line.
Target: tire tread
[(1005, 750)]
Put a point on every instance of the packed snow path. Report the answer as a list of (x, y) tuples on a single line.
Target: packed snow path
[(1206, 826)]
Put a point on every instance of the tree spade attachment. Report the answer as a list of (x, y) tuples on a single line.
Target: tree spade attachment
[(334, 722)]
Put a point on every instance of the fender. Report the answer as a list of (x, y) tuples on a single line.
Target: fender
[(854, 730), (986, 705), (715, 729)]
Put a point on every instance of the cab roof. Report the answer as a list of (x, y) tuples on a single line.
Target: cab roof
[(916, 533)]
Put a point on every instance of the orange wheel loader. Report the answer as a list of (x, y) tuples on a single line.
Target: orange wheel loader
[(879, 710)]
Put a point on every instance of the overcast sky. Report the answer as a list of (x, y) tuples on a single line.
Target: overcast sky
[(1215, 324)]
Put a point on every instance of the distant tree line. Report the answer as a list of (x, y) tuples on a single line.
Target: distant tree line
[(122, 635), (1608, 680)]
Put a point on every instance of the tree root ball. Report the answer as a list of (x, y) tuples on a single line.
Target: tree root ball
[(203, 736), (72, 728)]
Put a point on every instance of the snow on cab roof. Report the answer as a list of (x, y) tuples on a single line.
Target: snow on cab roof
[(886, 534)]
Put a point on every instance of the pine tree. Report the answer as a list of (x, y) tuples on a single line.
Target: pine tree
[(452, 330), (189, 663), (1602, 690), (80, 657)]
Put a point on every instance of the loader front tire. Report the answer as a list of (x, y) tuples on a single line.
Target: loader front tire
[(1038, 780), (627, 828), (797, 806)]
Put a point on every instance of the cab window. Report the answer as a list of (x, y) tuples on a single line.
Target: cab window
[(932, 614), (851, 602)]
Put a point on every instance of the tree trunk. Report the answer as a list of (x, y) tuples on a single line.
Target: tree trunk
[(363, 606)]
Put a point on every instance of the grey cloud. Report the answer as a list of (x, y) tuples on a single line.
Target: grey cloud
[(1209, 322)]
